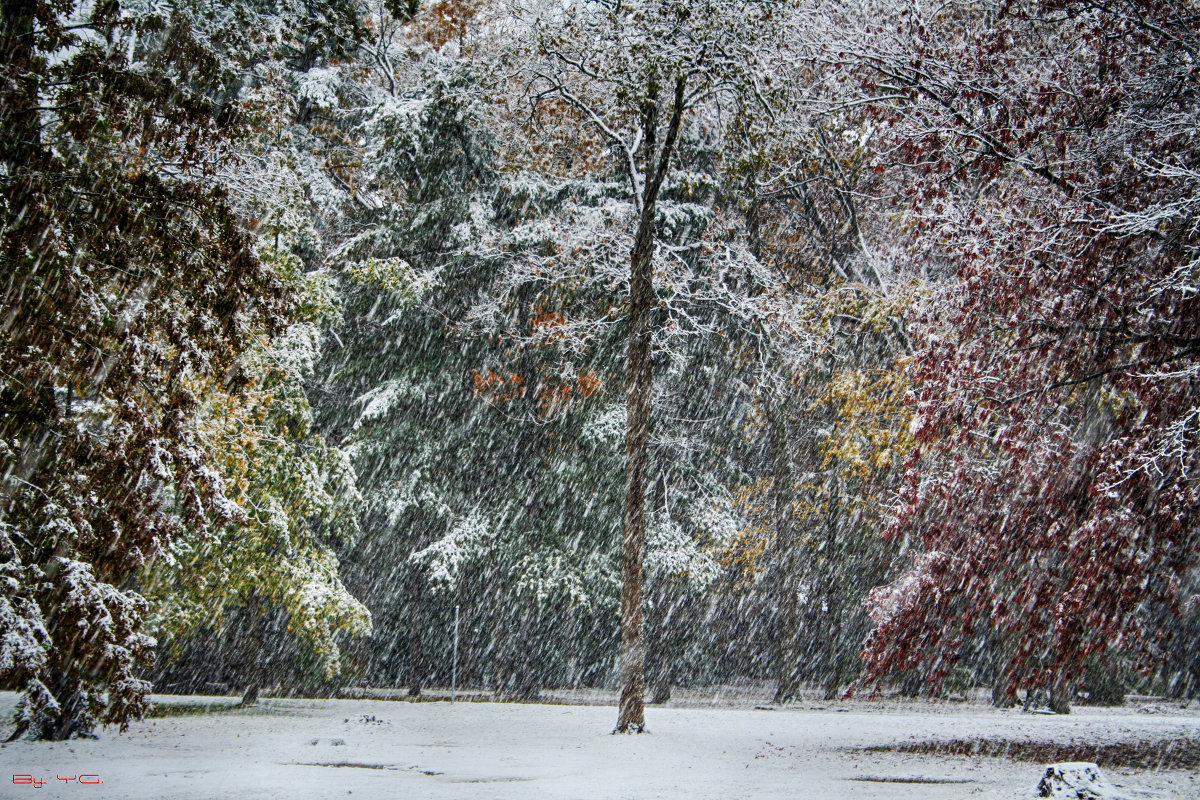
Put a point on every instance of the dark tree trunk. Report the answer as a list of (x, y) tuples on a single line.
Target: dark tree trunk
[(1004, 689), (753, 217), (306, 61), (788, 652), (415, 582), (252, 663), (466, 651), (23, 406), (637, 437), (659, 651), (498, 633), (665, 648), (517, 674), (20, 147), (526, 683), (632, 714), (504, 666), (912, 684), (1001, 697), (829, 605), (659, 654), (1061, 694), (72, 717)]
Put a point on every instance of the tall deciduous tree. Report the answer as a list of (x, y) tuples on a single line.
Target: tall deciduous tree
[(637, 72), (1054, 164)]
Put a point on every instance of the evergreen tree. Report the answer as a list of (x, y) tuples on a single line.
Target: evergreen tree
[(128, 280)]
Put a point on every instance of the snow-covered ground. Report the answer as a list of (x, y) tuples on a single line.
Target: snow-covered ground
[(307, 749)]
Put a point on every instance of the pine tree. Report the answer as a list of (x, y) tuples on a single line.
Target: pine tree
[(297, 498)]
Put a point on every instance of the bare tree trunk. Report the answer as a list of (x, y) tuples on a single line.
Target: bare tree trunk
[(637, 437), (72, 718), (631, 716), (1061, 694), (1004, 693), (466, 650), (496, 626), (658, 647), (21, 145), (526, 682), (753, 217), (665, 650), (1000, 694), (787, 667), (253, 654), (23, 407), (830, 602), (415, 580), (662, 690), (660, 654)]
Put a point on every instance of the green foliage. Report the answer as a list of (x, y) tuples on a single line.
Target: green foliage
[(402, 10), (129, 284), (393, 275), (295, 495)]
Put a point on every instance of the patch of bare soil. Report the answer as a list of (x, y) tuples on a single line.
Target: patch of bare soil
[(1177, 753)]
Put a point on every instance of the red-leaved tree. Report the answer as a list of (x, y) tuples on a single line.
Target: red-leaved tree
[(1052, 165)]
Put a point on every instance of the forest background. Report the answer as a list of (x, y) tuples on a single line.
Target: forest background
[(842, 343)]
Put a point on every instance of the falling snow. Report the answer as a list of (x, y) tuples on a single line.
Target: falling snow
[(811, 385)]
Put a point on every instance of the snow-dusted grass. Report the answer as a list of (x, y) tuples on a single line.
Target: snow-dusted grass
[(381, 749)]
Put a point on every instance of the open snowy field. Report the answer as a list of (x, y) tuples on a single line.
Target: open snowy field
[(302, 749)]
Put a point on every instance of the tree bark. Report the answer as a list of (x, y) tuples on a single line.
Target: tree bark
[(1001, 698), (1004, 686), (1061, 693), (660, 654), (830, 603), (415, 581), (658, 648), (24, 407), (631, 716), (662, 650), (72, 718), (526, 683), (662, 690), (252, 668), (20, 147), (637, 437), (787, 667)]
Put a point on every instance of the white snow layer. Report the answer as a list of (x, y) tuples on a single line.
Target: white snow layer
[(308, 749)]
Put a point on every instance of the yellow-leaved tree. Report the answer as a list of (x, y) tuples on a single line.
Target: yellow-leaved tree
[(295, 497), (845, 436)]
